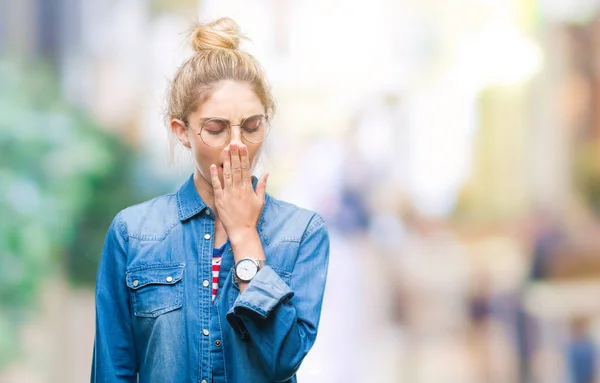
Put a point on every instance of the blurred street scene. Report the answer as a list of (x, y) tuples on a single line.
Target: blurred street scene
[(453, 147)]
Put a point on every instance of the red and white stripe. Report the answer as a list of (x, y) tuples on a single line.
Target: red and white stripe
[(216, 267)]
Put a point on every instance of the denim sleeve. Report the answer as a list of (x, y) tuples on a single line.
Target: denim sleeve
[(114, 359), (281, 321)]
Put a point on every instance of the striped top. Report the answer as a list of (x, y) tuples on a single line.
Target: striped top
[(216, 267)]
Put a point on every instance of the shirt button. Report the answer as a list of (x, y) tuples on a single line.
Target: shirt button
[(204, 381), (207, 212), (205, 332), (169, 279), (206, 236), (136, 283), (217, 343), (205, 283)]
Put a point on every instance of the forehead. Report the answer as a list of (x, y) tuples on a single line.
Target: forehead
[(231, 100)]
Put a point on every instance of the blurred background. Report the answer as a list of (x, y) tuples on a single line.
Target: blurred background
[(452, 146)]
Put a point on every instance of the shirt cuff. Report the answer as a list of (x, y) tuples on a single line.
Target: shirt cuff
[(262, 295)]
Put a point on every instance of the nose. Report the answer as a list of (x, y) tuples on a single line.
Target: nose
[(236, 135)]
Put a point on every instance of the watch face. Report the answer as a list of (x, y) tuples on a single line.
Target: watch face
[(246, 269)]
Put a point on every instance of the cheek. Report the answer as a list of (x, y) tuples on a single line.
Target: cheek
[(253, 156), (205, 156)]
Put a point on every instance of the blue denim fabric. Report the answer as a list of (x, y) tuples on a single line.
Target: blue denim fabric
[(155, 320)]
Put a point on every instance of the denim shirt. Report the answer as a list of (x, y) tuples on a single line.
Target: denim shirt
[(155, 319)]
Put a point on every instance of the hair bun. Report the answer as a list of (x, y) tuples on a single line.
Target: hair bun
[(221, 33)]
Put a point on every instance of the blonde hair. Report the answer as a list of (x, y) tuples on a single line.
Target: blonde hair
[(216, 58)]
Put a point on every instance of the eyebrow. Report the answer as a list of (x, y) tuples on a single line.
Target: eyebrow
[(204, 119)]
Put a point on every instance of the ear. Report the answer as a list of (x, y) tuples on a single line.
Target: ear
[(179, 129)]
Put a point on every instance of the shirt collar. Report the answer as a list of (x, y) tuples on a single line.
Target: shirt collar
[(189, 202)]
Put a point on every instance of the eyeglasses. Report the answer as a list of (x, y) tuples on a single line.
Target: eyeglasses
[(215, 132)]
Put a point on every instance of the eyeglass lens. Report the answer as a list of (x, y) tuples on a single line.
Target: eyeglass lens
[(215, 132)]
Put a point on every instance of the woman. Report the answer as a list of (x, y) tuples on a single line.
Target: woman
[(218, 282)]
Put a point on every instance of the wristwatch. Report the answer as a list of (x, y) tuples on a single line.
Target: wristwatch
[(246, 269)]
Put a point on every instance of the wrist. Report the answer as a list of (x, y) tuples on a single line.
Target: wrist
[(243, 237), (246, 244)]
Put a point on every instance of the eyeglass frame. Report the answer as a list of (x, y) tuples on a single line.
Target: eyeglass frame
[(229, 125)]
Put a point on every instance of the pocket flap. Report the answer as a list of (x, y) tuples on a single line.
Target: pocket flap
[(154, 274)]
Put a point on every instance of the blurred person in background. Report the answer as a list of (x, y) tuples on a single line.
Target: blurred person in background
[(218, 282)]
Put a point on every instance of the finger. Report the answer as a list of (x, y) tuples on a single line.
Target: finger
[(216, 183), (245, 163), (236, 166), (227, 176), (261, 187)]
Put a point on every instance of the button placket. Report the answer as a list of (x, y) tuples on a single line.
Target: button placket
[(206, 250)]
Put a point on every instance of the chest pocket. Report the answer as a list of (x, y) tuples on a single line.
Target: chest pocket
[(155, 289)]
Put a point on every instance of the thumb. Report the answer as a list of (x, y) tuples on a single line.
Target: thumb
[(261, 186)]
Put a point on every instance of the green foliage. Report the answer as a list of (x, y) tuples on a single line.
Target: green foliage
[(62, 179), (587, 174)]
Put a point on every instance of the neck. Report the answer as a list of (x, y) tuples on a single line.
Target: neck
[(205, 190)]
